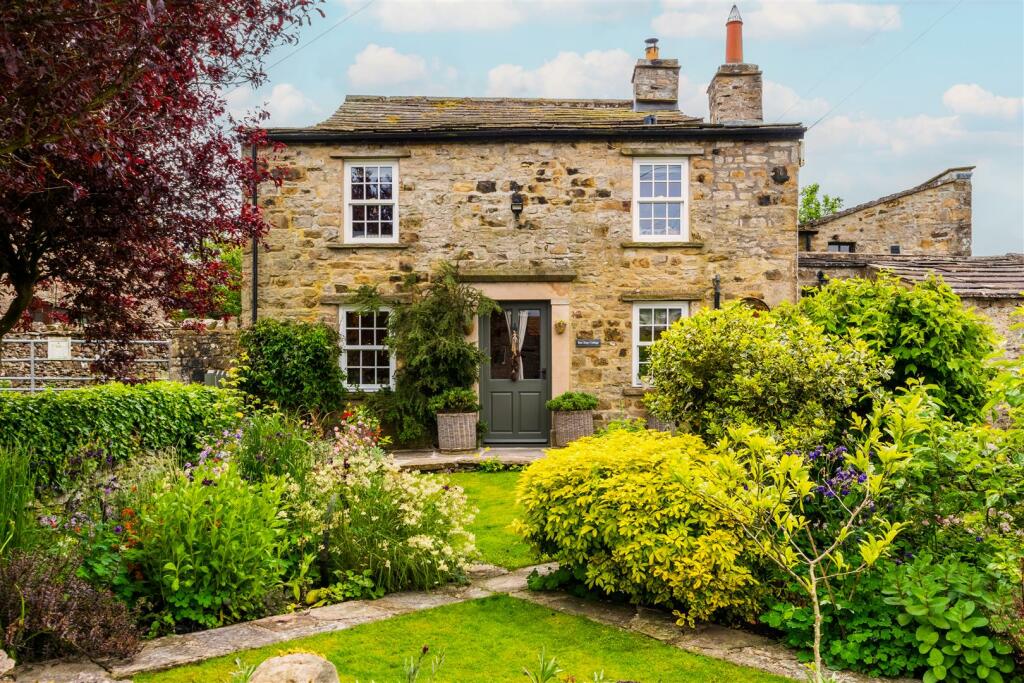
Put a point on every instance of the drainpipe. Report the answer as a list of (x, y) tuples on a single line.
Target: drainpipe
[(255, 242), (718, 290)]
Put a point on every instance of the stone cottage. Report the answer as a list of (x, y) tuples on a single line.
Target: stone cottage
[(594, 223)]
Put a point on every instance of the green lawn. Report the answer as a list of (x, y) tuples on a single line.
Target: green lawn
[(489, 640), (494, 493)]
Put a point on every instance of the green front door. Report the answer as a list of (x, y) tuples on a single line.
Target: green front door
[(515, 378)]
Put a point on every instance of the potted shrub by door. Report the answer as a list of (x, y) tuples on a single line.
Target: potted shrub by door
[(572, 416), (456, 411)]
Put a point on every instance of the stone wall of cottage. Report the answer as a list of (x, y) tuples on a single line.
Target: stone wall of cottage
[(455, 200), (935, 220)]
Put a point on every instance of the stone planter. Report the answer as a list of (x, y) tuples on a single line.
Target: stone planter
[(456, 431), (569, 425)]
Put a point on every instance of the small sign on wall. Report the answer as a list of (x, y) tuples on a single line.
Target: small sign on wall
[(587, 343), (58, 348)]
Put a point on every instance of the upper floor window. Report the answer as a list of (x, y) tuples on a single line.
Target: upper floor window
[(371, 201), (661, 192), (842, 247), (650, 320)]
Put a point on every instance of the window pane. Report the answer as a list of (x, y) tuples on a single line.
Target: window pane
[(645, 226), (357, 192), (646, 172), (370, 173), (645, 334), (646, 210), (383, 376), (385, 191), (387, 229), (675, 210), (351, 336), (384, 173), (660, 316), (675, 172), (660, 210), (381, 359), (386, 213), (675, 227), (371, 192), (382, 318), (357, 174), (660, 172), (646, 316), (373, 213), (675, 190), (646, 189), (661, 189), (674, 314), (358, 229)]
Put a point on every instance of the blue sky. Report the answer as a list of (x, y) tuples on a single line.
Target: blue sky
[(906, 89)]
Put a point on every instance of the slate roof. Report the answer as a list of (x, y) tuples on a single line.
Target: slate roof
[(983, 277), (379, 116)]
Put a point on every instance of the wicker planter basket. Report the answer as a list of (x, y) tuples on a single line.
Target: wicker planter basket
[(569, 425), (456, 431)]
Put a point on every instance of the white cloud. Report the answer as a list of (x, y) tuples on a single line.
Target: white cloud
[(898, 136), (286, 104), (378, 66), (972, 99), (775, 20), (598, 73), (782, 103)]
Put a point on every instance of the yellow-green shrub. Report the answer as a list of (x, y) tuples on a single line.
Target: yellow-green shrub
[(615, 507)]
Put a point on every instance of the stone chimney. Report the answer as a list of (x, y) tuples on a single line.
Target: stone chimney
[(655, 81), (734, 95)]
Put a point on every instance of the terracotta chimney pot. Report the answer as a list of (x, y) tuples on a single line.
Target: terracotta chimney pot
[(734, 37)]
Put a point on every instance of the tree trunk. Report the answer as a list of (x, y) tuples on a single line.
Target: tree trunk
[(818, 677)]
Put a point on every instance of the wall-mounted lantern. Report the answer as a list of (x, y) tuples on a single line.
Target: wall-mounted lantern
[(517, 204)]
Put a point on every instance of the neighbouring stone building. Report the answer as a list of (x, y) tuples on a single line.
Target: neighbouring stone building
[(933, 218), (595, 223), (914, 233)]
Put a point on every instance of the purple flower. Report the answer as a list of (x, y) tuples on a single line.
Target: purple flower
[(207, 482), (118, 529)]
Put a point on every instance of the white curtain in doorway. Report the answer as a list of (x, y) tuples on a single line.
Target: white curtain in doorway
[(517, 337)]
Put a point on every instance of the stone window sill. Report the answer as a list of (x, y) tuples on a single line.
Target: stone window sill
[(661, 245), (636, 391), (364, 245)]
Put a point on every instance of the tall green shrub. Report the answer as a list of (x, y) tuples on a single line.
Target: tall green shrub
[(209, 546), (113, 421), (293, 364), (924, 329), (428, 336), (773, 369)]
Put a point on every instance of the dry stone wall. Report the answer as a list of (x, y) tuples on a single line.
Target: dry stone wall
[(577, 222)]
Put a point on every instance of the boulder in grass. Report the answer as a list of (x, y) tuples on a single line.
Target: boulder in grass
[(296, 668)]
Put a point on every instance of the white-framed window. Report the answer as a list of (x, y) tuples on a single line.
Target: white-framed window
[(365, 358), (371, 201), (661, 200), (650, 320)]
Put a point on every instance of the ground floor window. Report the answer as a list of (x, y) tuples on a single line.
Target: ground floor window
[(365, 358), (650, 320)]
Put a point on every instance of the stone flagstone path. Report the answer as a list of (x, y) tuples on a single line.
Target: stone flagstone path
[(738, 647)]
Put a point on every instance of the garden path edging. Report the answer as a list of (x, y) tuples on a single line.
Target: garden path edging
[(731, 645)]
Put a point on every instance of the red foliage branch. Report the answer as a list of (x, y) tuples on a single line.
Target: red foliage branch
[(118, 160)]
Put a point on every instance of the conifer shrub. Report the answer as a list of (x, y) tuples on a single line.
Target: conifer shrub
[(613, 509)]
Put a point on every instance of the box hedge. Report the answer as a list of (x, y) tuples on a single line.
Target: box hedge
[(113, 421)]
